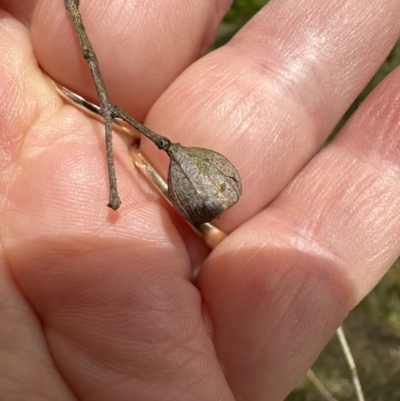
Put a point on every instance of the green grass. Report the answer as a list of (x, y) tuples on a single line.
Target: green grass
[(373, 327)]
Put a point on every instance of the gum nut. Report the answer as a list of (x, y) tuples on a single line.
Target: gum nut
[(202, 183)]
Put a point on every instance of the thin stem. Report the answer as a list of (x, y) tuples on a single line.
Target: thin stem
[(108, 110), (320, 387), (105, 104), (160, 141), (351, 363)]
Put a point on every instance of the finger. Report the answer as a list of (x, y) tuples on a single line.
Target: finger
[(141, 46), (270, 98), (291, 274)]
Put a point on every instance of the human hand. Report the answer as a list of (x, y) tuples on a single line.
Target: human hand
[(98, 305)]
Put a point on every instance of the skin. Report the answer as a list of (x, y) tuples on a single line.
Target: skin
[(99, 305)]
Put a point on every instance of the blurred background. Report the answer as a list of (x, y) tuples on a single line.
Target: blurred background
[(373, 327)]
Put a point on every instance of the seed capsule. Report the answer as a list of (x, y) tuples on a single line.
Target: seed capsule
[(202, 183)]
